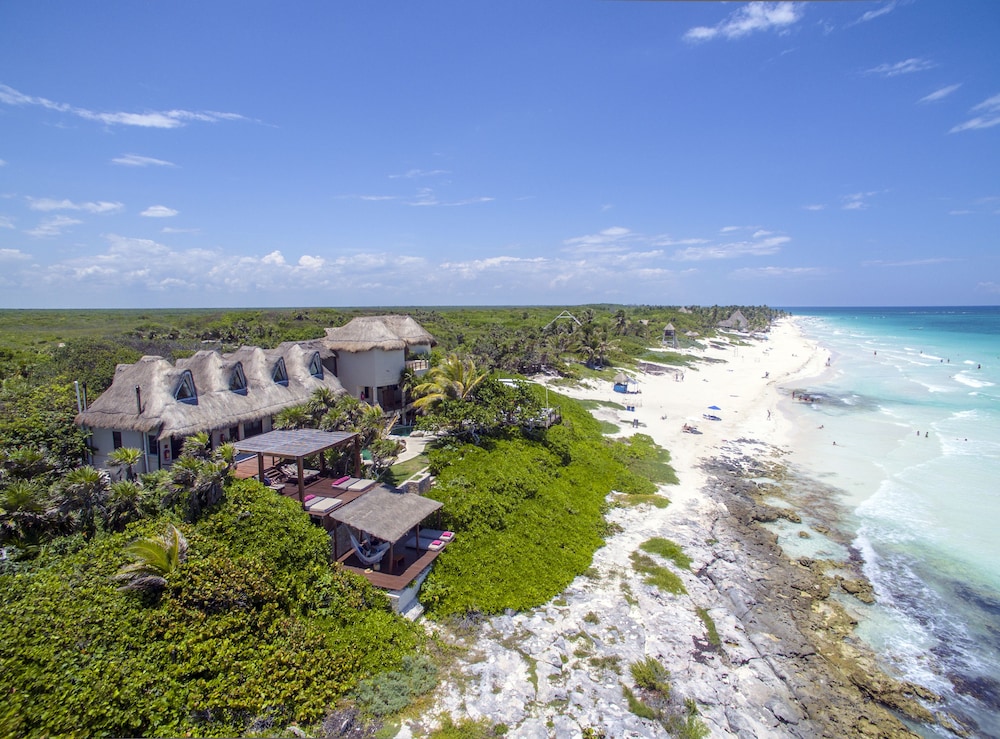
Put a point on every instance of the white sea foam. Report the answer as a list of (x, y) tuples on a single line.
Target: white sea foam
[(963, 378)]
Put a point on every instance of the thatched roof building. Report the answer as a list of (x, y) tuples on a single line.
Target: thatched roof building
[(735, 321), (208, 390), (388, 333)]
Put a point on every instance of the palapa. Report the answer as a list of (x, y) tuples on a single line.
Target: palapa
[(388, 333), (386, 514), (208, 390)]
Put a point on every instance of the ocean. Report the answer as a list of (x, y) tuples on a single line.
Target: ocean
[(903, 428)]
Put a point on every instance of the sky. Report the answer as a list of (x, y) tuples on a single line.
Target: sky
[(462, 152)]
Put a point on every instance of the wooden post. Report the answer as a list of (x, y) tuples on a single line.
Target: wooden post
[(302, 490)]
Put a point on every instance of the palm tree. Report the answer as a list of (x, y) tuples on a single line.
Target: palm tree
[(197, 445), (454, 379), (127, 458), (23, 515), (621, 321), (84, 495), (127, 502), (154, 559), (295, 417)]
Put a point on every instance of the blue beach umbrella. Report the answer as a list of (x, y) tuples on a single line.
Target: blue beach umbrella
[(714, 408)]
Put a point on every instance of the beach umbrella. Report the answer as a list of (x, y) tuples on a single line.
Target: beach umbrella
[(714, 408)]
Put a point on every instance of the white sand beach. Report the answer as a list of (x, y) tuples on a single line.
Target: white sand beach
[(558, 670)]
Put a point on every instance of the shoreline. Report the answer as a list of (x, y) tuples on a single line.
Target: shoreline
[(786, 662)]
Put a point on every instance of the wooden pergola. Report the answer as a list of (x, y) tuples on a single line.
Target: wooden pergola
[(297, 444)]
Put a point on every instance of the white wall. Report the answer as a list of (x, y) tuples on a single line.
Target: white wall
[(375, 368), (102, 441)]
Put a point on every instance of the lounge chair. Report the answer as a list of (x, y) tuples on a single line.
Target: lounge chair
[(322, 506), (367, 554), (425, 543)]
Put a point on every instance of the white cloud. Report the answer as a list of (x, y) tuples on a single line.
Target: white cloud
[(989, 287), (814, 206), (6, 222), (907, 66), (939, 94), (425, 197), (50, 204), (53, 226), (159, 211), (152, 119), (3, 163), (134, 160), (779, 272), (752, 17), (878, 12), (309, 262), (414, 173), (909, 262), (13, 255), (989, 116), (169, 230), (732, 250), (857, 200), (608, 240)]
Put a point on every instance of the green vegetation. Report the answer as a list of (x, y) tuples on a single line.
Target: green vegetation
[(655, 704), (651, 675), (656, 575), (668, 550), (181, 603), (530, 508), (252, 630), (713, 633)]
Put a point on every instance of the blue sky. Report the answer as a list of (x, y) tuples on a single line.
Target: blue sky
[(192, 154)]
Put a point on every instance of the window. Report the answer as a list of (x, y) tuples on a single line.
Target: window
[(151, 445), (238, 380), (279, 374), (116, 439), (316, 366), (186, 391)]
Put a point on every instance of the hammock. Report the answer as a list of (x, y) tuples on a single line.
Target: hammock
[(374, 554)]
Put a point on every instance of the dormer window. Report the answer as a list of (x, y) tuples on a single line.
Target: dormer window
[(316, 366), (238, 380), (279, 374), (186, 391)]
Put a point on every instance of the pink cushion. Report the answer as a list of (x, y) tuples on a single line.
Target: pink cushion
[(339, 480), (446, 535), (309, 497), (437, 543)]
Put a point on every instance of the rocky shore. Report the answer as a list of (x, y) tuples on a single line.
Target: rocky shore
[(784, 662)]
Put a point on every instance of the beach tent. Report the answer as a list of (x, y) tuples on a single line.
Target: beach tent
[(625, 384)]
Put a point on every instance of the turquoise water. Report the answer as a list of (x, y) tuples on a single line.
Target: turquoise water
[(907, 429)]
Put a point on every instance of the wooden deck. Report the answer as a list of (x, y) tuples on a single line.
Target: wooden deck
[(400, 566), (396, 573)]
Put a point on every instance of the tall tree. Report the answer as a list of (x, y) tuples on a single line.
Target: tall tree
[(125, 458), (454, 378), (84, 496)]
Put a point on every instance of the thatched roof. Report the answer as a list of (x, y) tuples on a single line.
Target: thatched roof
[(737, 320), (386, 514), (388, 333), (242, 386)]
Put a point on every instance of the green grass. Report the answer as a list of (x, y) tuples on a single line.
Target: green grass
[(656, 575), (608, 428), (402, 471), (668, 550), (713, 633)]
